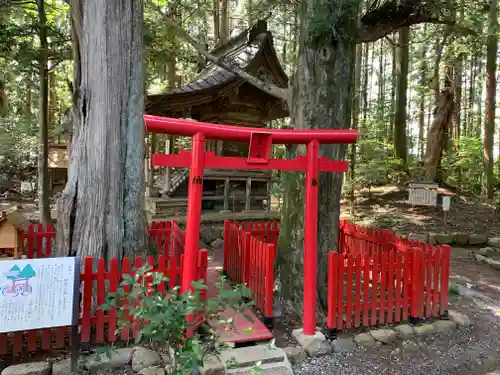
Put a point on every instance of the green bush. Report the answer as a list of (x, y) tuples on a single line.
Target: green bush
[(166, 315)]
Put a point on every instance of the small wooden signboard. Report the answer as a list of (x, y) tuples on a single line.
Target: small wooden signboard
[(423, 194), (40, 293)]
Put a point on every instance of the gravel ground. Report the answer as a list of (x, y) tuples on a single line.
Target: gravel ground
[(473, 350)]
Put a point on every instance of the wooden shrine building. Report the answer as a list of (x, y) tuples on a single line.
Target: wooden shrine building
[(221, 97)]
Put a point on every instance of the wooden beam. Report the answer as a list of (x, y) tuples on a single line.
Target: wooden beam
[(248, 194)]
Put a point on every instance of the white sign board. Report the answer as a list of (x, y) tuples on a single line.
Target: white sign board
[(446, 203), (38, 293), (422, 194)]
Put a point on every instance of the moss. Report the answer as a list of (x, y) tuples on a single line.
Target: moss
[(331, 21)]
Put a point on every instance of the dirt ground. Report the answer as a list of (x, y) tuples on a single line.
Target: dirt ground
[(386, 207)]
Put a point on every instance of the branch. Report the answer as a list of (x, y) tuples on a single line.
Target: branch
[(272, 89), (393, 15)]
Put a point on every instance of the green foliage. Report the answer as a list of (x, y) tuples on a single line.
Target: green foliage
[(464, 168), (166, 315)]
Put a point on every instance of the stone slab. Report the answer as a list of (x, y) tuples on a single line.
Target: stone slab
[(295, 354), (248, 356), (444, 325), (364, 339), (62, 367), (459, 318), (424, 329), (265, 369), (404, 331), (144, 358), (385, 336), (344, 345), (315, 345), (118, 358), (477, 239), (33, 368)]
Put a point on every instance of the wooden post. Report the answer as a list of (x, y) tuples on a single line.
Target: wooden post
[(226, 195), (248, 194), (220, 148), (169, 148), (268, 208)]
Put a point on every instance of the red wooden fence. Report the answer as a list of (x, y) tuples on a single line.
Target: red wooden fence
[(248, 259), (38, 240), (379, 278), (97, 326)]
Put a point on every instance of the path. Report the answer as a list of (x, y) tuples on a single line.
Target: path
[(242, 330)]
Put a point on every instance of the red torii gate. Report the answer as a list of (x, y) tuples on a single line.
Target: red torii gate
[(261, 140)]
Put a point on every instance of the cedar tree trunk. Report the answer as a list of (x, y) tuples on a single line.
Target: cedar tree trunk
[(321, 100), (101, 211)]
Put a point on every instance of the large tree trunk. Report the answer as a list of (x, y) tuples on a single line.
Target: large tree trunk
[(322, 100), (43, 122), (491, 85), (401, 95), (101, 211), (437, 135)]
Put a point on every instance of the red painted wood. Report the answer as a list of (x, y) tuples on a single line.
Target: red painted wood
[(101, 295), (86, 278)]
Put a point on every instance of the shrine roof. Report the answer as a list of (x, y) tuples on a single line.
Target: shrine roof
[(245, 51)]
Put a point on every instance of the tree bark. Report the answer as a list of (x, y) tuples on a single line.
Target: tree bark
[(101, 211), (43, 130), (355, 119), (322, 100), (401, 95), (491, 85), (437, 135)]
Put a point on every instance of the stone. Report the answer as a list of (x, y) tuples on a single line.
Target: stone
[(486, 251), (314, 345), (152, 370), (424, 329), (404, 331), (248, 356), (495, 264), (210, 233), (459, 318), (444, 239), (477, 239), (62, 367), (497, 372), (461, 239), (217, 244), (385, 336), (144, 358), (295, 354), (444, 325), (33, 368), (118, 358), (364, 339), (422, 237), (265, 369), (344, 345), (494, 242), (212, 366), (480, 258)]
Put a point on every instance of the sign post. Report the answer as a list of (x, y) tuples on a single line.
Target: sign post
[(446, 207), (41, 293)]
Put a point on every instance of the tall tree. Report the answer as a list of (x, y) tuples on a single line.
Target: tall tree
[(43, 122), (101, 210), (400, 146), (491, 85)]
